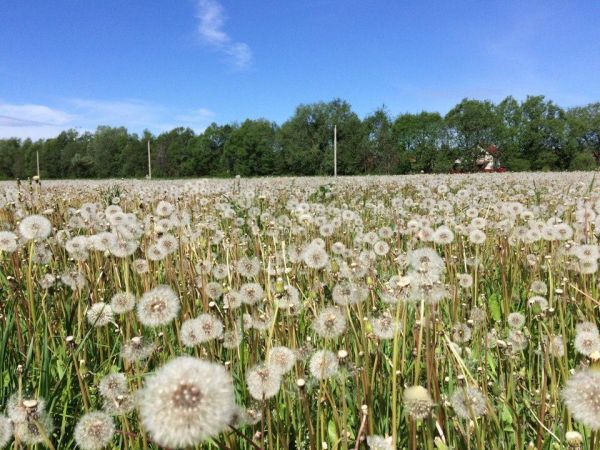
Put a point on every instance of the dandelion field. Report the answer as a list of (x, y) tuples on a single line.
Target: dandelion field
[(412, 312)]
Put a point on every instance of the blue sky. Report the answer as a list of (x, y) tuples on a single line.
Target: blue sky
[(159, 64)]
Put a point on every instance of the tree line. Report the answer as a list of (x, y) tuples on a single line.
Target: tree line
[(535, 134)]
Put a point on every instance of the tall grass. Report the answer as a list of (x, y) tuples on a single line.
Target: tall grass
[(446, 337)]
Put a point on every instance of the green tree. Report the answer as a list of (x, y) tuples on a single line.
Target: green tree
[(207, 150), (535, 134), (9, 149), (28, 166), (379, 155), (584, 125), (544, 131), (583, 161), (307, 139), (172, 153), (134, 157), (82, 166), (509, 116), (106, 149), (472, 126), (419, 138), (250, 149)]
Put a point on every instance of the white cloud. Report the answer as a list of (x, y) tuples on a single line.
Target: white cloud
[(31, 120), (23, 115), (201, 115), (210, 29), (41, 121)]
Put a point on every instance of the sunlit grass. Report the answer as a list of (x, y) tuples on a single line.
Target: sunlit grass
[(435, 312)]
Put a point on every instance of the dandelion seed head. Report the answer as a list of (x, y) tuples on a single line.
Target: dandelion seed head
[(137, 349), (315, 257), (518, 340), (30, 419), (461, 333), (232, 339), (587, 253), (6, 430), (538, 287), (581, 395), (213, 290), (35, 227), (477, 237), (443, 236), (248, 267), (288, 299), (99, 314), (538, 303), (32, 432), (8, 241), (587, 266), (263, 382), (141, 266), (158, 306), (47, 281), (465, 280), (122, 302), (204, 328), (347, 293), (281, 359), (330, 323), (556, 346), (574, 439), (186, 401), (376, 442), (155, 253), (120, 405), (426, 260), (468, 402), (94, 431), (323, 364), (478, 316), (587, 326), (587, 342), (251, 293), (112, 385), (164, 209), (77, 244), (418, 402), (220, 271), (381, 248), (168, 244), (516, 320), (385, 327), (122, 248)]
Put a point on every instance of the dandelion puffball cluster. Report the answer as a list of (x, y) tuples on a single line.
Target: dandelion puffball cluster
[(182, 312)]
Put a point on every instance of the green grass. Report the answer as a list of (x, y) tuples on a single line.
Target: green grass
[(522, 389)]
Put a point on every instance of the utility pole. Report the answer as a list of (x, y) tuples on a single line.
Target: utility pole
[(149, 162), (37, 163), (335, 151)]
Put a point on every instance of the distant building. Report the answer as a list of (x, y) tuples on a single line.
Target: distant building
[(488, 161)]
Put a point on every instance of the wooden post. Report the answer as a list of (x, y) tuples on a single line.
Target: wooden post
[(335, 151), (149, 163), (37, 163)]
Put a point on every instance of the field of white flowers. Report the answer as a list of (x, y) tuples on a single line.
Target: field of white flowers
[(414, 312)]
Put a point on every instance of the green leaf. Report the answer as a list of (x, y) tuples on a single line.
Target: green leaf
[(507, 418), (506, 415), (491, 362), (332, 431), (494, 307), (439, 444)]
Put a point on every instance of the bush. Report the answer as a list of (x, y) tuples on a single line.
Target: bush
[(583, 161), (518, 165)]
